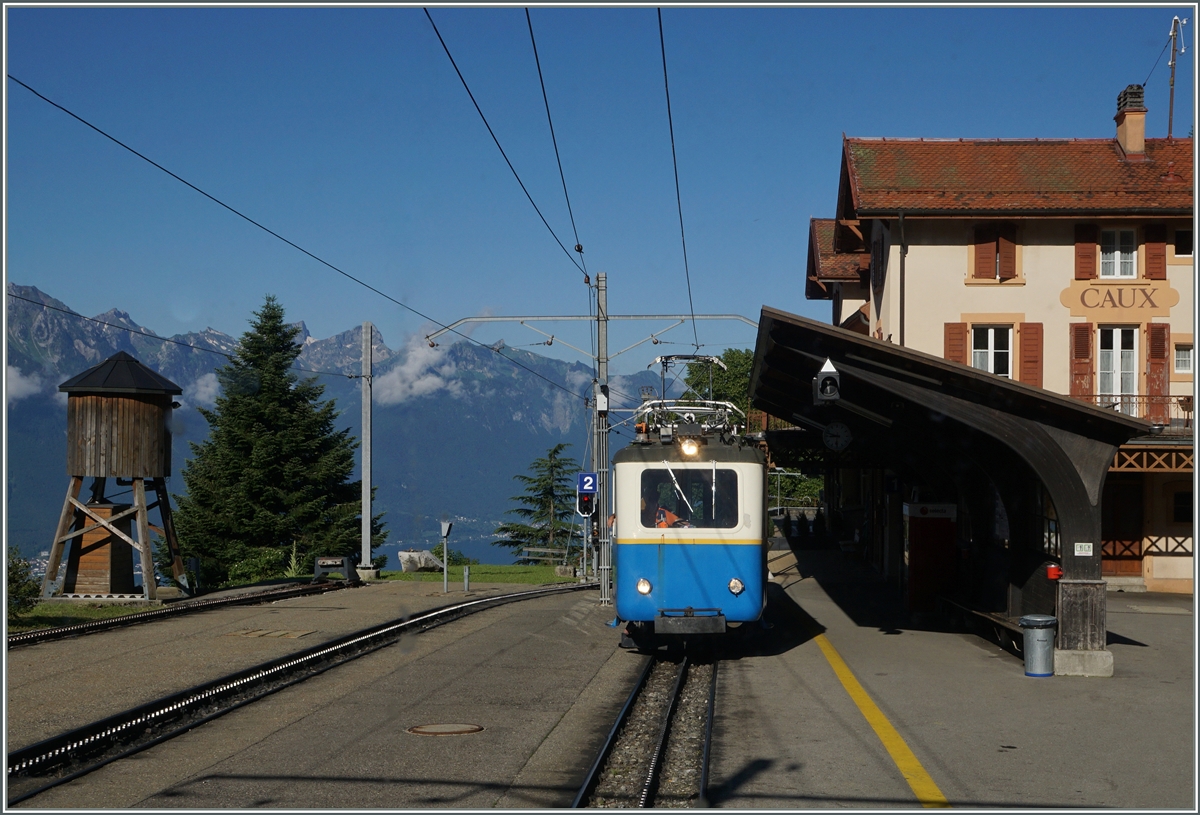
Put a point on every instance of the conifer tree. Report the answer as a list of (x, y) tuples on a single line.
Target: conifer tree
[(274, 471), (548, 505)]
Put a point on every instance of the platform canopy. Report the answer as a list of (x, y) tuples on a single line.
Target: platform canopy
[(912, 411), (120, 373)]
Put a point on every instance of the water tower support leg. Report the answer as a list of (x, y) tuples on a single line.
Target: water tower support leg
[(168, 523), (65, 521), (149, 587)]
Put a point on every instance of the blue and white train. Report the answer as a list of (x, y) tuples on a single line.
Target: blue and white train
[(690, 550)]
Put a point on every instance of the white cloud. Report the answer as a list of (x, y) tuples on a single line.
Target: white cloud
[(204, 391), (421, 371), (17, 386)]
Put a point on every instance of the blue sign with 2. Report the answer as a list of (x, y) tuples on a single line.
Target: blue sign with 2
[(588, 482)]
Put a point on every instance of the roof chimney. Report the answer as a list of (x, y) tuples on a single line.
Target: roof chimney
[(1131, 122)]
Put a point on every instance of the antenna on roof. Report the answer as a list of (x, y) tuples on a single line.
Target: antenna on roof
[(1176, 29)]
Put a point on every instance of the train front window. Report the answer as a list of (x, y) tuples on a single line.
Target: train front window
[(689, 499)]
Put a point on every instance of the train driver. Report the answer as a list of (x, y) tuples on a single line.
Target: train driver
[(653, 514)]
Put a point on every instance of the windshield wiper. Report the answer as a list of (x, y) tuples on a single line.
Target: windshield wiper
[(678, 490)]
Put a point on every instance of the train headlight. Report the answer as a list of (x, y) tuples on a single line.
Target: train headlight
[(643, 586), (689, 447), (736, 586)]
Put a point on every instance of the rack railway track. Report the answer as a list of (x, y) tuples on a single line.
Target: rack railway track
[(49, 763), (656, 755)]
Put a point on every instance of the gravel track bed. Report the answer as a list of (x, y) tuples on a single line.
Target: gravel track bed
[(624, 775), (679, 781)]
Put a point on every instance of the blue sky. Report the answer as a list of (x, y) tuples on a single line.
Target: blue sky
[(347, 131)]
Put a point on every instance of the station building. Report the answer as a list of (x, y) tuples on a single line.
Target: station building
[(1063, 264)]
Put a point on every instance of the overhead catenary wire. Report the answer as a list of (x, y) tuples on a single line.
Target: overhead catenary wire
[(554, 140), (675, 163), (295, 246), (491, 132), (1160, 56)]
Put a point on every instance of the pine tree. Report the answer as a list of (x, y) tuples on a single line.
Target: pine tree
[(274, 471), (548, 505)]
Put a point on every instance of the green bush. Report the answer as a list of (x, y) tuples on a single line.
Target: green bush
[(256, 566), (457, 558), (23, 590)]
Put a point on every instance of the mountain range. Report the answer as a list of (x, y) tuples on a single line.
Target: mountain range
[(452, 425)]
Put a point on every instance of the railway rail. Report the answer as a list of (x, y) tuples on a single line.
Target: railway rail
[(656, 755), (49, 763), (174, 610)]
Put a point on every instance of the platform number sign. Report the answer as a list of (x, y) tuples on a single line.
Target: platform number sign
[(585, 494)]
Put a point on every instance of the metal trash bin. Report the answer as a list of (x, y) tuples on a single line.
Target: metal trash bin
[(1039, 644)]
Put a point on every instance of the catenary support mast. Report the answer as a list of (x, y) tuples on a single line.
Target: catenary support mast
[(600, 442), (368, 333)]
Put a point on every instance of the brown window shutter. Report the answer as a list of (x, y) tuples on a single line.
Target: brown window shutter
[(1157, 376), (1081, 359), (1006, 235), (1156, 251), (985, 252), (956, 342), (1031, 354), (1086, 238)]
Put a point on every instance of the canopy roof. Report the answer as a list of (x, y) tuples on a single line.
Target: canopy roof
[(791, 349)]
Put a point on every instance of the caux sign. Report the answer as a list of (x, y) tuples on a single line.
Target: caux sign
[(1127, 301)]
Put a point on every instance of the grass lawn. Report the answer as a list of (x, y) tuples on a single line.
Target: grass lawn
[(53, 615), (487, 573)]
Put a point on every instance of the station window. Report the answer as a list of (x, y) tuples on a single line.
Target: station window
[(1117, 367), (991, 349), (1184, 239), (1182, 513), (1183, 359), (1118, 253), (692, 498)]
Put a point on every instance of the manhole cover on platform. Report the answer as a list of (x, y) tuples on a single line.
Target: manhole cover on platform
[(444, 729)]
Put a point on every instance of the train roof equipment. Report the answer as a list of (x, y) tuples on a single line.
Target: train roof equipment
[(696, 421)]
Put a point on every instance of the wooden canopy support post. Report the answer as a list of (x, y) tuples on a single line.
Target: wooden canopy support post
[(65, 521)]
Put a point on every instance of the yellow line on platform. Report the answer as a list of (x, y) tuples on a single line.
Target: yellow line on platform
[(922, 784)]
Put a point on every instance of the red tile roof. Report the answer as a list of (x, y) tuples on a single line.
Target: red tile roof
[(1035, 177), (824, 264)]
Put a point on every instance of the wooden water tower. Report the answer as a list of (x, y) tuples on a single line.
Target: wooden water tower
[(117, 427)]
